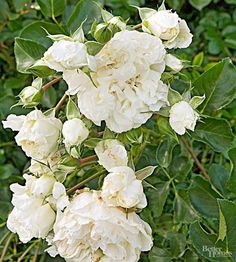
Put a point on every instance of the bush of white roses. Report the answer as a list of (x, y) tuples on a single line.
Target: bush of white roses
[(93, 190)]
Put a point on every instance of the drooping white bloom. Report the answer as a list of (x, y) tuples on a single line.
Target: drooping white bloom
[(38, 134), (88, 230), (182, 117), (174, 63), (66, 55), (126, 85), (166, 25), (122, 188), (111, 153), (74, 132), (31, 216)]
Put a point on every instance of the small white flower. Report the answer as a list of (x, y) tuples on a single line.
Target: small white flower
[(88, 230), (174, 63), (167, 25), (31, 216), (38, 134), (122, 188), (66, 55), (111, 153), (74, 132), (182, 117), (59, 197)]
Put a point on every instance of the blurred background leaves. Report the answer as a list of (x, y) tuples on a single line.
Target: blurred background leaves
[(185, 211)]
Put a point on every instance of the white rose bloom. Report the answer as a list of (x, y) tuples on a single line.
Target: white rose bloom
[(31, 216), (66, 55), (168, 27), (174, 63), (88, 230), (126, 86), (38, 134), (111, 153), (74, 132), (122, 188), (182, 117)]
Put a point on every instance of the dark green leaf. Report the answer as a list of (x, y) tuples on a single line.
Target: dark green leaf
[(51, 8), (218, 84), (85, 9), (204, 198), (215, 132)]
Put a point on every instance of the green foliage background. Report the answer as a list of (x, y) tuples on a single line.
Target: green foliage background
[(186, 211)]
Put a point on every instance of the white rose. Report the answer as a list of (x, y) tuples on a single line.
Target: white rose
[(88, 230), (174, 63), (168, 27), (38, 134), (182, 117), (74, 132), (111, 153), (122, 188), (31, 216), (66, 55), (126, 86)]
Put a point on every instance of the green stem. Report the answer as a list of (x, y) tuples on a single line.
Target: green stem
[(6, 247), (5, 144), (27, 251), (171, 180)]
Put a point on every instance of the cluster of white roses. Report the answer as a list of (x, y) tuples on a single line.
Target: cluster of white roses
[(121, 85)]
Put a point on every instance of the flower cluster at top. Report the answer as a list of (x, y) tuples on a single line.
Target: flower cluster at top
[(116, 80)]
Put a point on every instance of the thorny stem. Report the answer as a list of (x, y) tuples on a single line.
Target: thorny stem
[(52, 82), (6, 247), (60, 103), (219, 58), (82, 183), (192, 154), (86, 159)]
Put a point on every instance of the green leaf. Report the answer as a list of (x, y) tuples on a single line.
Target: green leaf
[(218, 84), (183, 211), (145, 172), (204, 198), (219, 176), (177, 242), (164, 152), (206, 244), (232, 179), (215, 132), (52, 8), (157, 198), (92, 142), (228, 210), (198, 59), (174, 96), (72, 110), (159, 254), (199, 4), (36, 31), (85, 9), (27, 52), (165, 128), (93, 47), (222, 226)]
